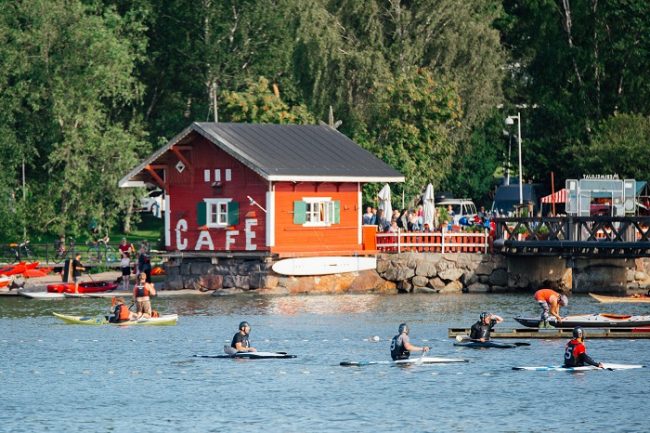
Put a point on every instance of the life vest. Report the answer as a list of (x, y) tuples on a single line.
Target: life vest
[(397, 349), (122, 313), (574, 353), (141, 291)]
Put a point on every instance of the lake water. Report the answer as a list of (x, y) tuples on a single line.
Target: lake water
[(66, 378)]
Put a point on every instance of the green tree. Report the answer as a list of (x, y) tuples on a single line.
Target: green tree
[(411, 121), (620, 145), (72, 101), (258, 104)]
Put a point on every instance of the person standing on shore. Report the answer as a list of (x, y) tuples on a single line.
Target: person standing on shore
[(125, 266), (550, 301), (401, 347), (72, 271)]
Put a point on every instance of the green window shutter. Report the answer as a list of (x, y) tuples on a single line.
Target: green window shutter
[(233, 213), (337, 212), (201, 213), (299, 212)]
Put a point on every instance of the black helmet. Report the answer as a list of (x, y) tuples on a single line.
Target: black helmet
[(242, 325), (484, 315), (578, 332), (403, 328)]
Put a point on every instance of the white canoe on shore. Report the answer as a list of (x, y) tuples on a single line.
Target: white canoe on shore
[(324, 265)]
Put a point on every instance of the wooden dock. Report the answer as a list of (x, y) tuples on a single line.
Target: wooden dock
[(612, 333)]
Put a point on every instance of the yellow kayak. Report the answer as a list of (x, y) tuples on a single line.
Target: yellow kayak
[(168, 319)]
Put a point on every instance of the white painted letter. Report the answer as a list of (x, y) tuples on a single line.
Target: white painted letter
[(181, 242), (250, 234), (229, 238), (204, 239)]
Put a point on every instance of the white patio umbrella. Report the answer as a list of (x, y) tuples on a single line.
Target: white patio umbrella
[(429, 206), (384, 202)]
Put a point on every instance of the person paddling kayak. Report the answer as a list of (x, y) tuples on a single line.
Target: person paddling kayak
[(575, 354), (121, 312), (401, 347), (481, 330), (240, 341), (549, 301)]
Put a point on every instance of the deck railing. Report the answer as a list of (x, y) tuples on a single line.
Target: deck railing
[(434, 242)]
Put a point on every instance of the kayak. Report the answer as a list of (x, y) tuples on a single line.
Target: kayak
[(41, 295), (606, 366), (638, 299), (4, 280), (87, 287), (484, 345), (590, 321), (410, 361), (251, 355), (168, 319)]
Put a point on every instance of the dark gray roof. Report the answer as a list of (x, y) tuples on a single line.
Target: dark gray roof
[(288, 152)]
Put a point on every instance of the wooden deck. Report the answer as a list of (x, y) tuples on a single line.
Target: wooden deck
[(612, 333)]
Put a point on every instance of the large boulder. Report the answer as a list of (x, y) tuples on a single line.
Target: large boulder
[(211, 282), (452, 274), (452, 287), (499, 278), (426, 269), (419, 281)]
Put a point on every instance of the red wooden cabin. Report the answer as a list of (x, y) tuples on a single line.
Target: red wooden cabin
[(286, 189)]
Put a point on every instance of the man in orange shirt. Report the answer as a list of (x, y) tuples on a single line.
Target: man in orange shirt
[(549, 301)]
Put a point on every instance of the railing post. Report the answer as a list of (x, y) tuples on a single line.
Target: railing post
[(399, 237), (485, 241), (443, 240)]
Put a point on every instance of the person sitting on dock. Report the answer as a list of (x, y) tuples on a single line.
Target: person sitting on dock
[(240, 342), (141, 296), (121, 312), (401, 347), (575, 354), (549, 301), (481, 330)]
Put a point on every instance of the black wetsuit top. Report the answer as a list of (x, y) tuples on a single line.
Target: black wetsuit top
[(240, 338), (481, 330), (397, 349)]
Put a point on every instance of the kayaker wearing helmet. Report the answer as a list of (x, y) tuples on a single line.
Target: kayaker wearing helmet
[(481, 330), (240, 341), (575, 354), (401, 347), (549, 301)]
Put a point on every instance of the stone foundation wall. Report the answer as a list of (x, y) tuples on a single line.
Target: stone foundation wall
[(395, 273), (438, 273)]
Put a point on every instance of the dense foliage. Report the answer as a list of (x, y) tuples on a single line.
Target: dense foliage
[(89, 87)]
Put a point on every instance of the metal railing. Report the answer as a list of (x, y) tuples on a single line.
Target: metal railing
[(434, 242)]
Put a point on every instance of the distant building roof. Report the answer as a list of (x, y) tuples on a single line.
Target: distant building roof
[(287, 152)]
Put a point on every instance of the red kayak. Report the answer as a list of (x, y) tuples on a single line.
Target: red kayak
[(89, 287)]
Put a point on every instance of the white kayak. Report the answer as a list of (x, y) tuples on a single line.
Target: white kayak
[(41, 295), (251, 355), (606, 366), (324, 265), (413, 361)]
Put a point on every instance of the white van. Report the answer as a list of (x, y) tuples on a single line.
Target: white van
[(462, 207)]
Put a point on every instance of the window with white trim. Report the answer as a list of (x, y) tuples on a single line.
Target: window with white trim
[(217, 212), (317, 211)]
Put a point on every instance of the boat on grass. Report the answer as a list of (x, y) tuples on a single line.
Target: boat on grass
[(167, 319), (634, 299), (602, 320)]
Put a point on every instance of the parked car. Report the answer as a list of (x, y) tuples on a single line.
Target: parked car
[(462, 207), (153, 202)]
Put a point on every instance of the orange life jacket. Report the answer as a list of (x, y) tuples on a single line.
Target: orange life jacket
[(122, 312)]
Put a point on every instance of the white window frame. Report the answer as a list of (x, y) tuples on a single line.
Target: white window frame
[(313, 212), (212, 203)]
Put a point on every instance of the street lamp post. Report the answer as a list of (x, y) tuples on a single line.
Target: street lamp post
[(509, 121)]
